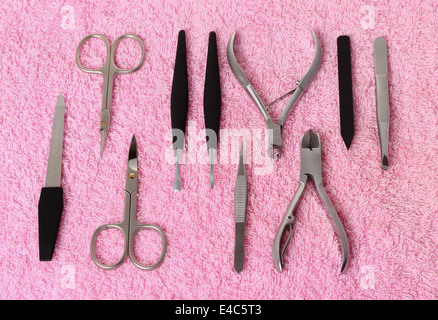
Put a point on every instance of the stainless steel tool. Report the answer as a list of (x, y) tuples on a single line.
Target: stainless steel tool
[(240, 207), (382, 96), (310, 168), (50, 205), (275, 129)]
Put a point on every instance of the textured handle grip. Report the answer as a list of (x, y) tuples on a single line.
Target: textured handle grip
[(240, 199), (212, 93), (179, 103), (49, 216)]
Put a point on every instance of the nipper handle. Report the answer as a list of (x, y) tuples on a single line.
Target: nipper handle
[(286, 225), (336, 224)]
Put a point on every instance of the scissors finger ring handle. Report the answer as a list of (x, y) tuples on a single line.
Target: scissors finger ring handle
[(113, 50), (93, 246), (109, 63), (108, 50), (163, 246)]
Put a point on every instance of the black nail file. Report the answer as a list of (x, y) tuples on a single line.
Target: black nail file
[(345, 90)]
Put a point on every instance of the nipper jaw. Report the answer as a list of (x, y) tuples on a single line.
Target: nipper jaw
[(310, 168), (275, 142)]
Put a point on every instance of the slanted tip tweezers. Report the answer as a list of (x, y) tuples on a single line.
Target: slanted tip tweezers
[(382, 96), (310, 168), (275, 129)]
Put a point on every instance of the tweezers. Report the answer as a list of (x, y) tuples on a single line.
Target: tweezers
[(382, 96), (240, 205)]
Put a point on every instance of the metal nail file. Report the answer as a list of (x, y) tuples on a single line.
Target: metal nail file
[(212, 103), (345, 90), (382, 96), (50, 205), (179, 104), (240, 205)]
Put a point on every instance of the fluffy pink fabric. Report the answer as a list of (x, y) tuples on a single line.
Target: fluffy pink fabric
[(390, 217)]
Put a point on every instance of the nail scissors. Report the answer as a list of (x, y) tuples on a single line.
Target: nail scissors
[(108, 70), (275, 129), (130, 226), (310, 168)]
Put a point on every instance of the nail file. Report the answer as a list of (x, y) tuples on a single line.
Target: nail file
[(345, 90), (50, 205)]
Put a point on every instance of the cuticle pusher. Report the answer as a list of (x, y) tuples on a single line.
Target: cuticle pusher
[(179, 105), (212, 103)]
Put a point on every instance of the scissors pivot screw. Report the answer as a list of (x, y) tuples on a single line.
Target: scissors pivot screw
[(131, 176)]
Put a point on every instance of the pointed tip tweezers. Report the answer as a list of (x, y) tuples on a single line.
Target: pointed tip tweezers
[(382, 96)]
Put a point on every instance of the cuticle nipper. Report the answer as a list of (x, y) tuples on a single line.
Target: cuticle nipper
[(275, 129)]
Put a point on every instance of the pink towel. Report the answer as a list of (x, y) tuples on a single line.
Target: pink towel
[(390, 217)]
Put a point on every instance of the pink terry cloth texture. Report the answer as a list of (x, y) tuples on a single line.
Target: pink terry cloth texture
[(390, 217)]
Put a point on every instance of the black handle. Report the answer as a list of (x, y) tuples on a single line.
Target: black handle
[(212, 93), (49, 216), (179, 102)]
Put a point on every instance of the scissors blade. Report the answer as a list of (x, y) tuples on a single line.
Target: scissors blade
[(133, 149), (132, 176), (104, 124), (53, 175)]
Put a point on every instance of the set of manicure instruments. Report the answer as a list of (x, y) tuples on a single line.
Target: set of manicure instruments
[(311, 167), (346, 93), (50, 206)]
